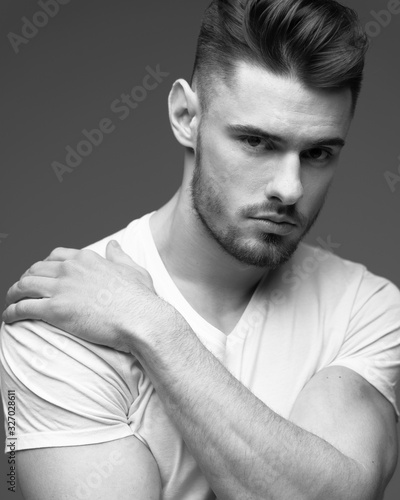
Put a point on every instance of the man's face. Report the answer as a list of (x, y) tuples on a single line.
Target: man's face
[(266, 153)]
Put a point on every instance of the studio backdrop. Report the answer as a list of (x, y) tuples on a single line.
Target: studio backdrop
[(63, 75)]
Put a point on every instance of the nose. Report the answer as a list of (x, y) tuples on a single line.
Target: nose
[(284, 183)]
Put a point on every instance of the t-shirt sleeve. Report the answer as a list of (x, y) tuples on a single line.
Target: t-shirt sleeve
[(68, 392), (372, 343)]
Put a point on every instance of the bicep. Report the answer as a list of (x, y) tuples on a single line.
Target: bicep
[(341, 407), (72, 405), (122, 469), (67, 393)]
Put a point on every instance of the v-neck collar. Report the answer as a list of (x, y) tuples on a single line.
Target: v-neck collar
[(167, 287)]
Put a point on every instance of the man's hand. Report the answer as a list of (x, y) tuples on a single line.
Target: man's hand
[(88, 296)]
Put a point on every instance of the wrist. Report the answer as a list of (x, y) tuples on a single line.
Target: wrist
[(145, 333)]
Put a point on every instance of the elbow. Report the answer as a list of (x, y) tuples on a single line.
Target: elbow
[(360, 484)]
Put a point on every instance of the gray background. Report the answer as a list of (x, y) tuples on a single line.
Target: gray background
[(65, 79)]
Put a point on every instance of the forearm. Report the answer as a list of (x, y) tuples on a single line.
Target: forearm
[(244, 448)]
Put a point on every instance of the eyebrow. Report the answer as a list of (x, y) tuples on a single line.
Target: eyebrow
[(256, 131)]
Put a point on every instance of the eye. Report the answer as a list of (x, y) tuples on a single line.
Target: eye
[(254, 142), (317, 154)]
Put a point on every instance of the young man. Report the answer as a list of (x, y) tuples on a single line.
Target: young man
[(190, 361)]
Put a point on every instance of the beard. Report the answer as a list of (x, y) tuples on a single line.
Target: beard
[(267, 250)]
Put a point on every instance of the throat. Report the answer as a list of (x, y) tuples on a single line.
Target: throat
[(220, 311), (215, 286)]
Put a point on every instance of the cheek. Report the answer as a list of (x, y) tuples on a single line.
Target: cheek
[(223, 166)]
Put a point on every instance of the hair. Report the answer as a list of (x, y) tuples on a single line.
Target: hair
[(321, 42)]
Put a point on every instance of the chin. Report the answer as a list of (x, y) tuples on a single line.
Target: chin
[(272, 252)]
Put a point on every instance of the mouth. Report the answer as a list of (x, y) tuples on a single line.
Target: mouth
[(277, 219), (282, 228)]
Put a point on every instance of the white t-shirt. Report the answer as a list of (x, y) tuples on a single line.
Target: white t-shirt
[(318, 310)]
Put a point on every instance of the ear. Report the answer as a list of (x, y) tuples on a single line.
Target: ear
[(184, 113)]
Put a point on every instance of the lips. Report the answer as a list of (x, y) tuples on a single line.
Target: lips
[(276, 219), (279, 228)]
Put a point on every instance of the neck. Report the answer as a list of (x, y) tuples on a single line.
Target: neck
[(192, 256)]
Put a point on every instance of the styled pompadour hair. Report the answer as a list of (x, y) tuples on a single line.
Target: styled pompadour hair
[(321, 42)]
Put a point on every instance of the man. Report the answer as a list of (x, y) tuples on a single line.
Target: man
[(188, 361)]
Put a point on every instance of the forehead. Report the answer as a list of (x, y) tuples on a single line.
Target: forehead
[(281, 104)]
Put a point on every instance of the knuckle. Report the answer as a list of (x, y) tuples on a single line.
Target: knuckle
[(63, 268), (86, 255), (22, 284), (55, 252), (68, 266), (20, 308), (58, 307), (58, 254), (34, 267)]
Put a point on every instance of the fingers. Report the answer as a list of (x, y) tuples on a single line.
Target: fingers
[(26, 309), (118, 256), (30, 287), (61, 254), (45, 269)]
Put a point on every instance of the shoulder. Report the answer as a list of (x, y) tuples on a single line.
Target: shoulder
[(328, 270), (36, 347), (317, 279), (29, 342), (321, 261), (126, 237)]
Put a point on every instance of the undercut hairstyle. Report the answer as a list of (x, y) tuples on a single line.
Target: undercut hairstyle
[(320, 42)]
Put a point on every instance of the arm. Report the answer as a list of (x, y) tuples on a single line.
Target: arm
[(339, 443), (122, 469), (72, 401), (244, 448)]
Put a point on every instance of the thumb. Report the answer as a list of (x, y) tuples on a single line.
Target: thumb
[(114, 253)]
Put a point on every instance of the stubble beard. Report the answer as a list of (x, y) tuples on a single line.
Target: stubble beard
[(272, 250)]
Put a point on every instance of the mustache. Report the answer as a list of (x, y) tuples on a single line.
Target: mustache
[(289, 211)]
